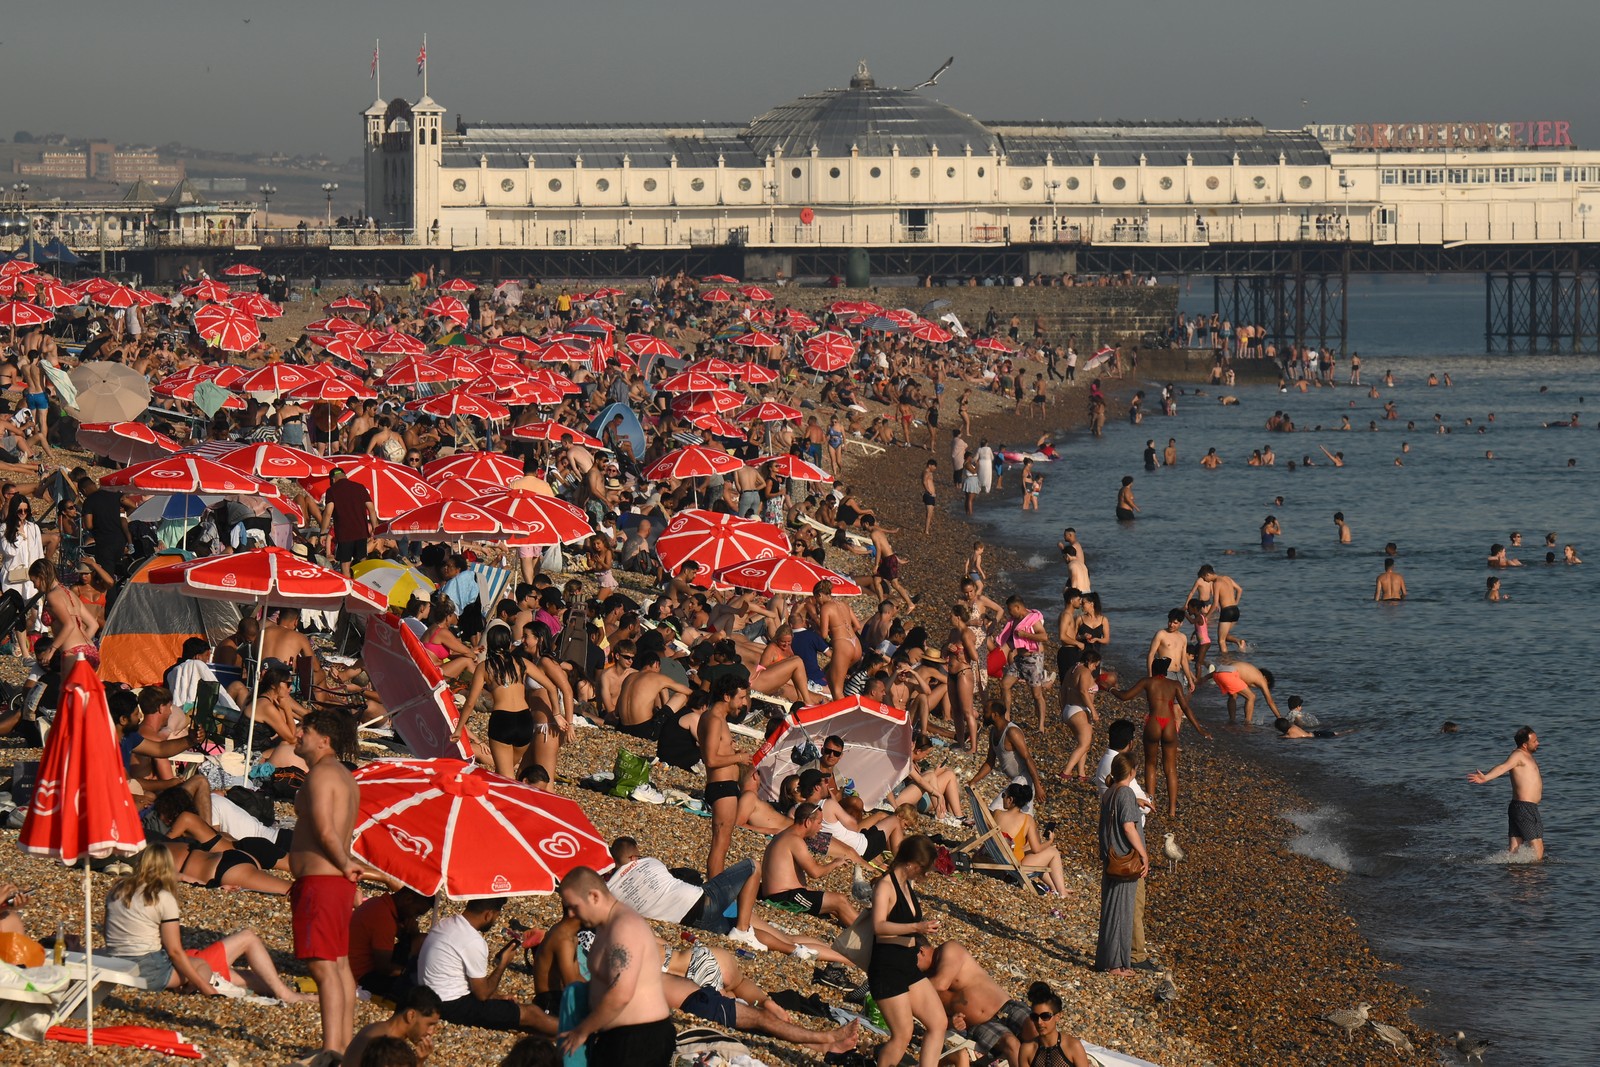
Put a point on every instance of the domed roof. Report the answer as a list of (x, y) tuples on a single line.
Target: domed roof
[(869, 118)]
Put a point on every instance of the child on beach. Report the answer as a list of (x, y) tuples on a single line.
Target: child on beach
[(974, 565), (1196, 613), (1031, 484)]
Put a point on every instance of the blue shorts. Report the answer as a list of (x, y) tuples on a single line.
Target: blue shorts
[(37, 401), (155, 968)]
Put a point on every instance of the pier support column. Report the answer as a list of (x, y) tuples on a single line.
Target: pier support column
[(1542, 311)]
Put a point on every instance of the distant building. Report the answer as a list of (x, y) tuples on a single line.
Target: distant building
[(53, 163)]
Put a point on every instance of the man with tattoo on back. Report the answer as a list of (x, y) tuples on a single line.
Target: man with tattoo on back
[(628, 1021)]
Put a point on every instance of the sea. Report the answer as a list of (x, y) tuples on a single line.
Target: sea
[(1496, 947)]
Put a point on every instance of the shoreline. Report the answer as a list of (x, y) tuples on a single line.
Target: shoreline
[(1254, 980)]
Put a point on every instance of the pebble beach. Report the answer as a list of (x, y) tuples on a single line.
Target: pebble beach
[(1253, 936)]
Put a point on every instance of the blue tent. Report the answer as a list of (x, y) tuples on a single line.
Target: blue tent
[(631, 428), (54, 252)]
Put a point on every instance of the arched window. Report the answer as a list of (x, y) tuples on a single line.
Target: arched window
[(435, 135), (422, 135)]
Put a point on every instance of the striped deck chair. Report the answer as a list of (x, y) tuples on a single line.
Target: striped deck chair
[(494, 585)]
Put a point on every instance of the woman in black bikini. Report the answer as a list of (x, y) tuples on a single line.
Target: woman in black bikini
[(1051, 1048), (1094, 632), (504, 670), (233, 868), (903, 993)]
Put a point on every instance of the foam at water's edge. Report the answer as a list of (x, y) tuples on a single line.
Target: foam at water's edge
[(1315, 842), (1035, 561)]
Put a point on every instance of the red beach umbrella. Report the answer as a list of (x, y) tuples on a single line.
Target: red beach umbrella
[(496, 468), (877, 745), (564, 351), (332, 391), (692, 461), (116, 296), (555, 380), (445, 824), (184, 390), (715, 296), (274, 379), (396, 344), (715, 540), (755, 292), (455, 520), (755, 374), (268, 459), (19, 314), (553, 431), (330, 324), (227, 327), (824, 361), (458, 285), (787, 466), (710, 420), (460, 402), (55, 295), (257, 305), (448, 307), (126, 442), (394, 487), (455, 367), (720, 402), (769, 411), (994, 344), (525, 392), (525, 346), (758, 339), (242, 270), (691, 382), (549, 520), (644, 344), (717, 368), (209, 290), (348, 303), (785, 574), (184, 473), (720, 279), (413, 372)]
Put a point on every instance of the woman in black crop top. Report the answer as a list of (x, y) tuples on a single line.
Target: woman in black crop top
[(903, 993)]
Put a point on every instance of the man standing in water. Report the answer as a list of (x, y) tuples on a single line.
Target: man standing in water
[(1161, 725), (1391, 586), (1225, 593), (1527, 790), (325, 874)]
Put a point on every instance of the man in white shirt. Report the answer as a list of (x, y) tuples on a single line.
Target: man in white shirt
[(1119, 738), (455, 964)]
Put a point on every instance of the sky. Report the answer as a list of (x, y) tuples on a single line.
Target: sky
[(293, 75)]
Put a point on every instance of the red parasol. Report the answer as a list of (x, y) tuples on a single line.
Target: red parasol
[(242, 270), (691, 382), (564, 351), (413, 372), (228, 328), (271, 460), (455, 520), (756, 374), (207, 290), (331, 324), (458, 285), (396, 344), (19, 314), (721, 402), (787, 466), (525, 392), (116, 296), (455, 367), (931, 332), (786, 574), (549, 520), (348, 303), (555, 380), (448, 307), (553, 431), (256, 305), (720, 279), (768, 411), (758, 339), (715, 540), (432, 824), (877, 745), (715, 296), (331, 390), (496, 468), (394, 487), (692, 461), (55, 295), (717, 368), (274, 379), (185, 473), (644, 344), (125, 442), (460, 402), (721, 427), (755, 292), (82, 806), (994, 344)]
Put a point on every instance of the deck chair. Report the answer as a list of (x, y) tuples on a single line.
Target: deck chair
[(991, 851)]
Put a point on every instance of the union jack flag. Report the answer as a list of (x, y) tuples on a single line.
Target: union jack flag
[(422, 58)]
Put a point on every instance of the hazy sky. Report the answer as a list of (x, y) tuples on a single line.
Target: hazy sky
[(295, 76)]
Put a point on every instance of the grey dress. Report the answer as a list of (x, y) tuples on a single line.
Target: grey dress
[(1114, 949)]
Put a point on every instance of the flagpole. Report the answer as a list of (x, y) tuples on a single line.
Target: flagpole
[(377, 64), (424, 65)]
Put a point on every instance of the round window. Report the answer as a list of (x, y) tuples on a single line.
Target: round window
[(1119, 183), (555, 185), (1072, 183), (795, 173), (603, 184), (698, 184), (916, 172), (459, 185), (744, 185), (1027, 183), (1260, 182), (1166, 183), (949, 172), (1211, 182), (833, 172), (507, 184), (1305, 181), (875, 172), (980, 172), (649, 185)]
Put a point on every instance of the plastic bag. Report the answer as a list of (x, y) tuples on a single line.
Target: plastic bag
[(630, 771)]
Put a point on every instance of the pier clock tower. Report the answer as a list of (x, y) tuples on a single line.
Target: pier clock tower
[(427, 118), (402, 164)]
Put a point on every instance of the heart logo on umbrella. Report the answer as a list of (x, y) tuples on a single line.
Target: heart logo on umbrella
[(419, 847), (45, 800), (562, 846)]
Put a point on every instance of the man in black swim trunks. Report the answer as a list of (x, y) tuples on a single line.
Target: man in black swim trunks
[(1525, 826), (789, 864), (730, 695)]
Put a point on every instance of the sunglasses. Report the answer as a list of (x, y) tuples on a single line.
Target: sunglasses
[(1041, 1016), (834, 752)]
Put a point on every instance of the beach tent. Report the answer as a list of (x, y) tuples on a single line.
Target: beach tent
[(632, 428), (148, 624), (877, 746)]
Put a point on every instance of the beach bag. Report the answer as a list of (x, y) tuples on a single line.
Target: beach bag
[(855, 943), (629, 772), (1124, 868), (805, 752)]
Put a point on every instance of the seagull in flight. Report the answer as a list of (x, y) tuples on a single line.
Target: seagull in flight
[(933, 79)]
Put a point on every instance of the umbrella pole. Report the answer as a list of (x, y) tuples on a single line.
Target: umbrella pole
[(88, 950), (255, 688)]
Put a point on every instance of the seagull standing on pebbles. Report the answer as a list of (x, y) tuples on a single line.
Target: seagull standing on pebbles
[(1392, 1037), (1167, 991), (1349, 1019), (1175, 853), (1471, 1047)]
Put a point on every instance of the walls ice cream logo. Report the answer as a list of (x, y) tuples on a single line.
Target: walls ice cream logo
[(419, 847), (46, 797), (560, 846)]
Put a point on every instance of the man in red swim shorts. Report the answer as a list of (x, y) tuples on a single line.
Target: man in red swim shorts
[(324, 891)]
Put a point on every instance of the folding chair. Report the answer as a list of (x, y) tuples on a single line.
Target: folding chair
[(994, 849)]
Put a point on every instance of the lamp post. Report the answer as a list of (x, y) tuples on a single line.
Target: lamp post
[(1050, 187), (267, 192), (328, 189), (772, 209)]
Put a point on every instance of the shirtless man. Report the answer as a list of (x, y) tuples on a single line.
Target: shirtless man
[(844, 639), (730, 694), (1073, 556), (887, 574), (608, 685), (1344, 527), (414, 1020), (1391, 586), (788, 865), (628, 1020), (1171, 644), (876, 629), (749, 482), (1238, 679), (998, 1024), (1127, 510), (1161, 727), (644, 692), (1225, 593), (325, 874), (1527, 791)]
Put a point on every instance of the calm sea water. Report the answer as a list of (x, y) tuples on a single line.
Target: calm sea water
[(1501, 949)]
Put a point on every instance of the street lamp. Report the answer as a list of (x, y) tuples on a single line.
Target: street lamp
[(267, 192), (1051, 186), (328, 189), (772, 210)]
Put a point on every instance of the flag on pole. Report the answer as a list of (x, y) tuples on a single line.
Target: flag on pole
[(374, 72), (422, 58)]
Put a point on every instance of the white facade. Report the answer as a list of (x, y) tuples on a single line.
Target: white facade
[(868, 166)]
